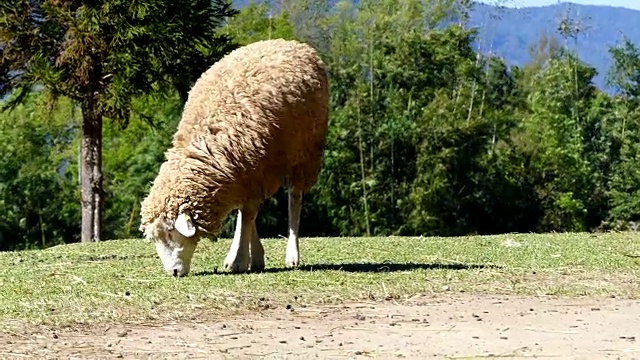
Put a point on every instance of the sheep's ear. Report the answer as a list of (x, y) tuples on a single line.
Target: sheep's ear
[(184, 225)]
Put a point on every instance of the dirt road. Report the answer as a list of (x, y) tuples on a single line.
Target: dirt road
[(441, 326)]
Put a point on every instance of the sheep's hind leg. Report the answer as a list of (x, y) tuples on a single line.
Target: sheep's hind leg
[(237, 259), (292, 257), (257, 251)]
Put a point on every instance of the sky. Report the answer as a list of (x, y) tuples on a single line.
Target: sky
[(631, 4)]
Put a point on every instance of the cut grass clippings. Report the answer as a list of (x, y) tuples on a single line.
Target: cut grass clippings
[(123, 280)]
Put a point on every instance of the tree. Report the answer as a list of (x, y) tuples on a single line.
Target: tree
[(255, 22), (102, 55), (555, 133), (131, 160), (624, 186), (625, 71), (35, 177)]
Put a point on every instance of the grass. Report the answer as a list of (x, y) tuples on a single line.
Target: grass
[(123, 280)]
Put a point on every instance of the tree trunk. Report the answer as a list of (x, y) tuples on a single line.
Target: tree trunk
[(92, 196)]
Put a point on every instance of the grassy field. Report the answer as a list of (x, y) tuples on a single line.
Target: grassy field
[(123, 280)]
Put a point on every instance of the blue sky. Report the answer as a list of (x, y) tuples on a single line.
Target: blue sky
[(631, 4)]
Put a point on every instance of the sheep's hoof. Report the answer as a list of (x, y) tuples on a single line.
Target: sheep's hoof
[(257, 264), (293, 263), (236, 267), (292, 259)]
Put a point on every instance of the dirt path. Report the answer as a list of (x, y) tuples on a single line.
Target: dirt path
[(442, 326)]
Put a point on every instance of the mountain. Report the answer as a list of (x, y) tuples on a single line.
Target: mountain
[(510, 32)]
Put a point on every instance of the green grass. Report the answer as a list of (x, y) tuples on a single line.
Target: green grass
[(123, 280)]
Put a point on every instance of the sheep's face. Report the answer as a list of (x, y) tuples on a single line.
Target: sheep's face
[(175, 243)]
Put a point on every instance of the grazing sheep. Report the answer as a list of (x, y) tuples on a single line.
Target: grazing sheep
[(254, 121)]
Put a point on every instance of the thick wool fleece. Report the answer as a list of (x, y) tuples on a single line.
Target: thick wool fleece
[(256, 118)]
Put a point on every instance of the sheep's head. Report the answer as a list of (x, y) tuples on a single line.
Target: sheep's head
[(175, 241), (178, 211)]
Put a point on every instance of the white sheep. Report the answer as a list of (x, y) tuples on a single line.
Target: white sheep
[(256, 120)]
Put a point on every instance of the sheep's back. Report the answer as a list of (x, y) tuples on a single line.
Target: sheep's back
[(259, 114)]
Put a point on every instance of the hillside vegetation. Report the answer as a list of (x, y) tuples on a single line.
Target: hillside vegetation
[(509, 30), (427, 135)]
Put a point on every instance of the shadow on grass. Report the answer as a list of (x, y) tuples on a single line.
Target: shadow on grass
[(366, 268)]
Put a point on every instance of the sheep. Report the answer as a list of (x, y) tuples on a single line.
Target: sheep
[(256, 120)]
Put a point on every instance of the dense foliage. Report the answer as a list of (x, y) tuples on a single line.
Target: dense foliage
[(427, 136)]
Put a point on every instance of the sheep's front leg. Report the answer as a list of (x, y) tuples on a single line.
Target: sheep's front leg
[(292, 258), (237, 259)]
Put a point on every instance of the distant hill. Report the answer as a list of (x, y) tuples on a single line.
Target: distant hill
[(509, 32)]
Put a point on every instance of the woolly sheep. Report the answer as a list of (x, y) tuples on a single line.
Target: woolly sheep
[(254, 121)]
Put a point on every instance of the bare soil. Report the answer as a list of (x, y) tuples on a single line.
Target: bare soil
[(439, 326)]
